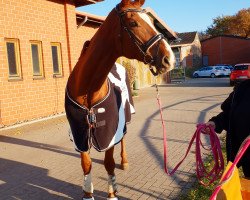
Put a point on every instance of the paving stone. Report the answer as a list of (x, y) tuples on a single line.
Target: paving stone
[(37, 161)]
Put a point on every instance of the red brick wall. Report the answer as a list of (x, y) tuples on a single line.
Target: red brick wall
[(226, 50), (26, 20)]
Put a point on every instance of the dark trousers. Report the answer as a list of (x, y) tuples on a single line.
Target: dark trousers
[(245, 163)]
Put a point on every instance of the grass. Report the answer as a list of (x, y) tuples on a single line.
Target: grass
[(198, 191)]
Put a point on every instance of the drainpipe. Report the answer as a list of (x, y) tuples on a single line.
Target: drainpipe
[(83, 22), (220, 51), (67, 35)]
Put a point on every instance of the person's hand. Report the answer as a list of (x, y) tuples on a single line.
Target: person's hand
[(209, 123)]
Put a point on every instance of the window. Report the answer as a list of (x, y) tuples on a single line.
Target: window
[(37, 62), (241, 67), (56, 59), (13, 58), (177, 59)]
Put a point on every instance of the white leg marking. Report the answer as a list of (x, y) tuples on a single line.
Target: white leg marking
[(112, 186), (87, 184)]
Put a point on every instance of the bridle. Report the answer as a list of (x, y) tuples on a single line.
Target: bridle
[(143, 47)]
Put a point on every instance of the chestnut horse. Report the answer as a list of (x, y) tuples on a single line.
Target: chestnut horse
[(127, 31)]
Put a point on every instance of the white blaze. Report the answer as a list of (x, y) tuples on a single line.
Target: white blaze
[(171, 58)]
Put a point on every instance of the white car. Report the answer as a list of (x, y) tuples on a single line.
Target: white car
[(226, 68), (210, 71)]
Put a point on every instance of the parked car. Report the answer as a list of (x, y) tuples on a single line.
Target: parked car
[(227, 68), (210, 71), (240, 72)]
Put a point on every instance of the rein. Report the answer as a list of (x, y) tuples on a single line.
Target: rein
[(143, 47), (215, 147)]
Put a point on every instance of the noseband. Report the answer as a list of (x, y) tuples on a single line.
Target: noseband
[(143, 47)]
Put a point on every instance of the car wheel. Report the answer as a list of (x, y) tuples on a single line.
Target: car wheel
[(212, 75), (231, 83), (196, 75)]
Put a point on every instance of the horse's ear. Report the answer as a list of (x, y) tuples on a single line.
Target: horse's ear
[(85, 46), (124, 2), (139, 2), (135, 2)]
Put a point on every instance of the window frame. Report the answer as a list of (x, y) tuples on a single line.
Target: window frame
[(59, 57), (40, 58), (16, 42)]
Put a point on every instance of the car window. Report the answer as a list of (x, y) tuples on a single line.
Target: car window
[(218, 68), (241, 67), (209, 68)]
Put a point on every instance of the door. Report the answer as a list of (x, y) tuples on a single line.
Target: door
[(205, 60)]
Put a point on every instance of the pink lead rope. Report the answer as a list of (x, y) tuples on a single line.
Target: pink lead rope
[(215, 147)]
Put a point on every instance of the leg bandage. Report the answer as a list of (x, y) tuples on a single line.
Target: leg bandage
[(112, 186), (87, 184)]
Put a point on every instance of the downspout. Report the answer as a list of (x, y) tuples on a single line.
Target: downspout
[(220, 51), (67, 35)]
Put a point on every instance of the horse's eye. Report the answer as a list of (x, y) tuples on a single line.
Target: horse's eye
[(133, 24)]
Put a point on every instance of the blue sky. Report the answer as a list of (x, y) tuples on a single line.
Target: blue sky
[(180, 15)]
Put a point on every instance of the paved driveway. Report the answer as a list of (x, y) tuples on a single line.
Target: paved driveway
[(37, 161)]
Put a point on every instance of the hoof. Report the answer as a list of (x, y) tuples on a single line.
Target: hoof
[(124, 166)]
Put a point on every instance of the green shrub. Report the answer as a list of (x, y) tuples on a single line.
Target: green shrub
[(190, 71), (178, 73)]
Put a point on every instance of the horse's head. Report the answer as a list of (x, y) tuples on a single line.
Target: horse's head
[(139, 38)]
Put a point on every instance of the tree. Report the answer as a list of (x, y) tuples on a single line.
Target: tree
[(238, 24), (242, 23), (221, 26)]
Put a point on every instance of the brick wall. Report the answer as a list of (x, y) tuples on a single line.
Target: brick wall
[(46, 21), (226, 50), (26, 20)]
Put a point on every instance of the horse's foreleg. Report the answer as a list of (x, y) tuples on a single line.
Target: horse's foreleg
[(87, 182), (124, 160), (109, 164)]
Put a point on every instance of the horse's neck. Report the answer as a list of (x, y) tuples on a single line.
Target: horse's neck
[(87, 82)]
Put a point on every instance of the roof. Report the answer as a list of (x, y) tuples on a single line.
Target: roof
[(79, 3), (184, 38), (161, 25), (229, 36), (83, 17), (242, 64)]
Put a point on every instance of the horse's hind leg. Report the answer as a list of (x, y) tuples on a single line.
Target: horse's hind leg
[(124, 160), (87, 182), (109, 164)]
